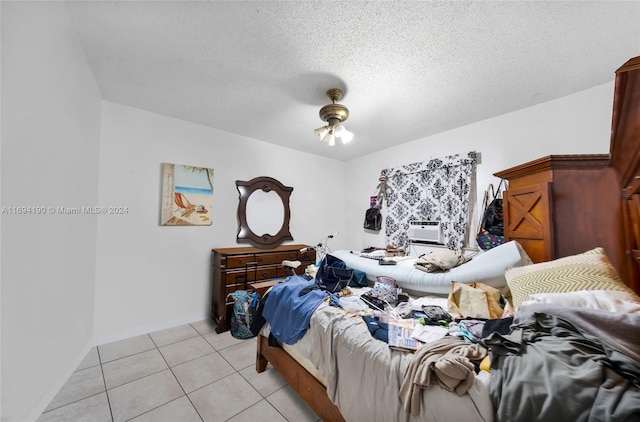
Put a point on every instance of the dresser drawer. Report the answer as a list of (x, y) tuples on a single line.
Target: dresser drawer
[(240, 261), (252, 274), (260, 286), (299, 271), (276, 258)]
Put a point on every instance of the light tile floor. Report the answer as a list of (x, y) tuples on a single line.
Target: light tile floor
[(182, 374)]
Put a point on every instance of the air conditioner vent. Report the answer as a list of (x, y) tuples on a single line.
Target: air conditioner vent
[(426, 231)]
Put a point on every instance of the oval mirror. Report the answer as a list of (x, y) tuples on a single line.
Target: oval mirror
[(263, 212)]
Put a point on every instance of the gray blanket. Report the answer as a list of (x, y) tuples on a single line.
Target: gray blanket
[(551, 369), (616, 330)]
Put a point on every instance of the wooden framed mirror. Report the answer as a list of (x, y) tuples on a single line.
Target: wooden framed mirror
[(263, 212)]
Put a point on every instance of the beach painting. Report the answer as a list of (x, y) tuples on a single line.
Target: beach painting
[(187, 195)]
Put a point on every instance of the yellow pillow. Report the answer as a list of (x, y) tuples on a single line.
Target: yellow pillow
[(590, 270)]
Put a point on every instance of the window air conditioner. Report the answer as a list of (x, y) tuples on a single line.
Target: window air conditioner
[(426, 231)]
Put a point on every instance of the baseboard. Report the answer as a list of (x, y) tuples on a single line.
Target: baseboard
[(46, 398), (147, 328)]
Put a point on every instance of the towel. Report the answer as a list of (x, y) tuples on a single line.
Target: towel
[(445, 362), (440, 261)]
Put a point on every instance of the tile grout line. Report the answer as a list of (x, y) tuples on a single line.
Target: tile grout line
[(74, 401), (104, 381), (172, 373), (265, 397), (176, 378), (82, 398), (146, 376)]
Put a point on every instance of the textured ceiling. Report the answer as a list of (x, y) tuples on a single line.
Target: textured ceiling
[(409, 69)]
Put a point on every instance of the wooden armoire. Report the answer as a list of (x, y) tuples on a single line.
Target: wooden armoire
[(561, 205)]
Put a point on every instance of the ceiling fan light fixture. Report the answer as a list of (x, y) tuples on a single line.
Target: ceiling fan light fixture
[(321, 132), (334, 114), (347, 137), (341, 132), (330, 139)]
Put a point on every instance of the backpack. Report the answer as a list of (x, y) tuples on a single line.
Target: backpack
[(245, 305), (373, 219), (333, 274)]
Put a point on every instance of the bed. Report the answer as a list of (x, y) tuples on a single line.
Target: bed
[(578, 305), (376, 364)]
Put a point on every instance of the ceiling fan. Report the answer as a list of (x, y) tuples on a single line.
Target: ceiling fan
[(334, 114)]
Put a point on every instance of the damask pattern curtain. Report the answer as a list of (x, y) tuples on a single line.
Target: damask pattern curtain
[(435, 190)]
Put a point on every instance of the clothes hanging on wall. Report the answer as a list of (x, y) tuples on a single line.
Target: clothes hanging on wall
[(434, 190)]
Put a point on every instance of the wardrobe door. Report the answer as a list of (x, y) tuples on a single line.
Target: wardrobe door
[(527, 214)]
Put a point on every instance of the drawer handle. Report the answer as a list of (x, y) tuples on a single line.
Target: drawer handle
[(240, 278), (265, 273)]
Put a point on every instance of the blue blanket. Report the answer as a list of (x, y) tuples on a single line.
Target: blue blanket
[(287, 312)]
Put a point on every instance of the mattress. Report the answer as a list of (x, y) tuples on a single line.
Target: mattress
[(487, 267)]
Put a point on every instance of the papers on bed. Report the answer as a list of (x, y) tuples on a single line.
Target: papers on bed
[(400, 334), (409, 334), (353, 304), (406, 334), (428, 333)]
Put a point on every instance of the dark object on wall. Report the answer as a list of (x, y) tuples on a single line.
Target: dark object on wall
[(492, 219), (491, 230), (373, 219)]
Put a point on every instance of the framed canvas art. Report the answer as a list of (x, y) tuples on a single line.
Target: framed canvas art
[(187, 195)]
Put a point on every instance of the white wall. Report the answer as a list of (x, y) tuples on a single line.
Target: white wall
[(50, 139), (151, 276), (576, 124)]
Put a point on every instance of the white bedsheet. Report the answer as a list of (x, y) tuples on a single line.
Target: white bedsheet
[(486, 267), (363, 376)]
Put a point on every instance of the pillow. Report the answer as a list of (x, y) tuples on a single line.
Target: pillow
[(590, 270), (603, 300)]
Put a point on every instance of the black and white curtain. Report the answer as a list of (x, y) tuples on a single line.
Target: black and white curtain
[(435, 190)]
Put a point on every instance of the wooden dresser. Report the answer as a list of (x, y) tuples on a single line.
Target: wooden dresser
[(248, 267), (562, 205)]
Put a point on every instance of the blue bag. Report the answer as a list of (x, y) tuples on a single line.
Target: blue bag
[(333, 274), (245, 306)]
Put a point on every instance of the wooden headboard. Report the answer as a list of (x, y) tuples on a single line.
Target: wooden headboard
[(625, 160)]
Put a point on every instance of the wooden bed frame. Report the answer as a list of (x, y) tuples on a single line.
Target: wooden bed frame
[(312, 391), (624, 158)]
